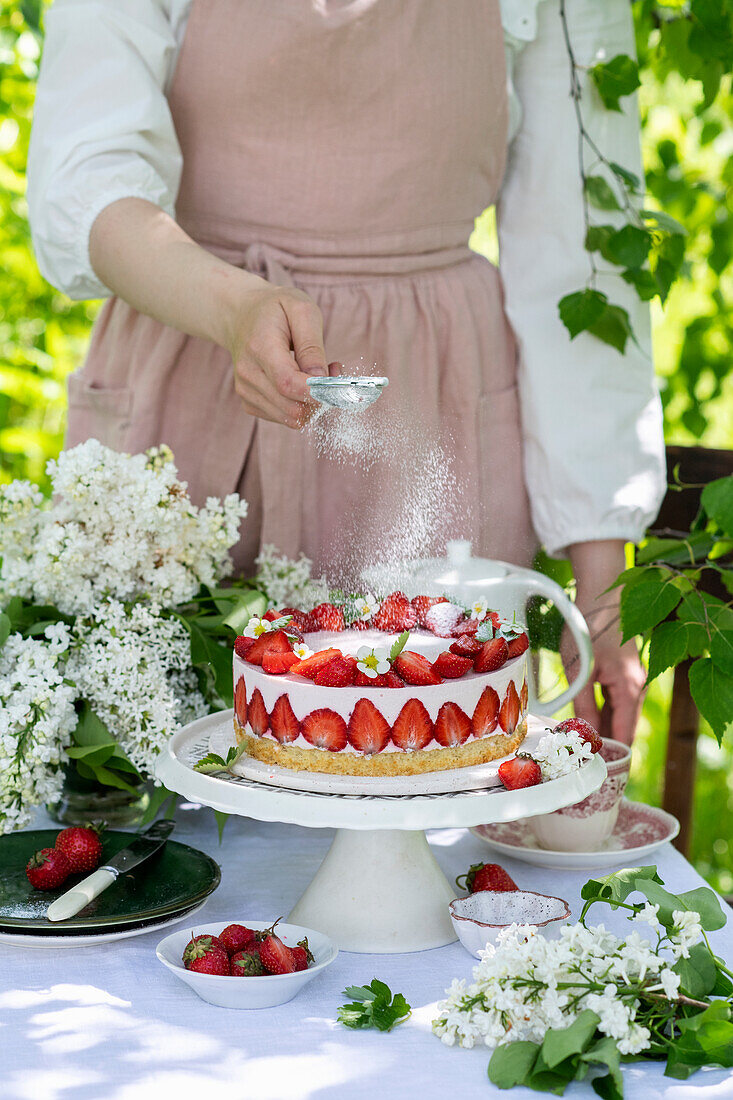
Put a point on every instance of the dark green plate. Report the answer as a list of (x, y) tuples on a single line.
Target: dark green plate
[(170, 882)]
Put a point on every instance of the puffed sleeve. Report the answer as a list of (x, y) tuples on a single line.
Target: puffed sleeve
[(591, 418), (102, 129)]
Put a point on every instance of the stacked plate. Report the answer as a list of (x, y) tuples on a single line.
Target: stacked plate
[(166, 889)]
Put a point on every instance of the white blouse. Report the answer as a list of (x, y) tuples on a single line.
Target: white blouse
[(591, 418)]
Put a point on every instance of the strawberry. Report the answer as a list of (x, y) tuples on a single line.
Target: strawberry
[(412, 729), (257, 714), (584, 730), (325, 729), (47, 869), (302, 954), (240, 701), (242, 646), (339, 672), (422, 605), (81, 846), (524, 696), (486, 876), (384, 680), (444, 618), (509, 710), (368, 731), (271, 615), (486, 714), (213, 962), (466, 646), (284, 726), (466, 628), (311, 665), (492, 656), (277, 663), (450, 666), (275, 641), (300, 620), (328, 617), (520, 771), (452, 726), (276, 957), (518, 645), (236, 937), (199, 947), (247, 964), (416, 669), (395, 614)]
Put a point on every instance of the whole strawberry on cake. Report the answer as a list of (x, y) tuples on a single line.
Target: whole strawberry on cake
[(391, 687)]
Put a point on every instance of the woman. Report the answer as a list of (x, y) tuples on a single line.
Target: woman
[(248, 177)]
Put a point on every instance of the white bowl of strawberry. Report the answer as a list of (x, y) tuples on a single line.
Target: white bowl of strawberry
[(254, 965)]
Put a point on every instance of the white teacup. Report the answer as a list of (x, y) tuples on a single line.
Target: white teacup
[(586, 825)]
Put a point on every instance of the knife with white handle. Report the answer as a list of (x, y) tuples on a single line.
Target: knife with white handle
[(142, 847)]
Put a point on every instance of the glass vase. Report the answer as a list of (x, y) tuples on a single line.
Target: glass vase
[(84, 800)]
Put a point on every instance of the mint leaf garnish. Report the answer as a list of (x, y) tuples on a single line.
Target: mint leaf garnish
[(278, 624), (373, 1006), (399, 645), (485, 631)]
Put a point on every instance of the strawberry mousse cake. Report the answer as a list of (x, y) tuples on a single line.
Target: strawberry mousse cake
[(397, 687)]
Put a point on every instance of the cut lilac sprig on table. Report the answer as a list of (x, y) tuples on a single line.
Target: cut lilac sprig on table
[(552, 1009)]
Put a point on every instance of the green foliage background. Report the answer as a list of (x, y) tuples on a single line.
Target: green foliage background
[(687, 116)]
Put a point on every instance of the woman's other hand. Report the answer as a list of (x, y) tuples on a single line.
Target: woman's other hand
[(617, 669)]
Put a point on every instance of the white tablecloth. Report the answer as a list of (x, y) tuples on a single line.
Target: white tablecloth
[(111, 1023)]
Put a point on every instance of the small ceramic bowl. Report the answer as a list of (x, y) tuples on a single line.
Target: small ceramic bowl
[(252, 992), (586, 825), (479, 918)]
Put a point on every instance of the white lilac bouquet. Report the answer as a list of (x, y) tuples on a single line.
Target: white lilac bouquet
[(554, 1010), (113, 627)]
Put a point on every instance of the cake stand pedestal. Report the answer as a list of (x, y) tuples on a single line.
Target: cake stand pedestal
[(379, 888)]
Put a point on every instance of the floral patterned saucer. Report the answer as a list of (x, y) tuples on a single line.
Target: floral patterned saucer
[(639, 831)]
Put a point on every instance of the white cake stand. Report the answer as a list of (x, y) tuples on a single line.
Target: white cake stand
[(379, 888)]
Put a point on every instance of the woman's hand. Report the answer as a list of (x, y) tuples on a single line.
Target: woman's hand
[(276, 343), (618, 669)]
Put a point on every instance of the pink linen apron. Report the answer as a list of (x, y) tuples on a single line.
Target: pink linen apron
[(344, 148)]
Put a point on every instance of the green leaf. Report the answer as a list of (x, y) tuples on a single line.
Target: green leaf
[(562, 1043), (668, 646), (4, 628), (702, 900), (399, 645), (712, 692), (158, 798), (210, 764), (717, 500), (617, 886), (578, 311), (485, 631), (512, 1064), (600, 193), (662, 220), (612, 327), (698, 973), (615, 78), (221, 819), (605, 1052), (629, 246), (373, 1006), (91, 730), (721, 650), (215, 660), (643, 282), (632, 182), (645, 604)]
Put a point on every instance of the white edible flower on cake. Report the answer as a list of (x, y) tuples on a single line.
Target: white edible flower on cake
[(367, 606), (480, 609), (257, 626), (302, 651), (373, 662)]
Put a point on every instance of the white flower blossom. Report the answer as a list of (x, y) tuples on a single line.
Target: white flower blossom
[(366, 607), (648, 915), (302, 651), (37, 718), (685, 932), (373, 662), (480, 609), (256, 626), (559, 754), (288, 583)]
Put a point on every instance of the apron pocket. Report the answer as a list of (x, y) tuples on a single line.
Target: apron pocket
[(97, 412)]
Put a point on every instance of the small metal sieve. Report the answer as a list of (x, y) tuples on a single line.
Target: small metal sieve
[(346, 392)]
